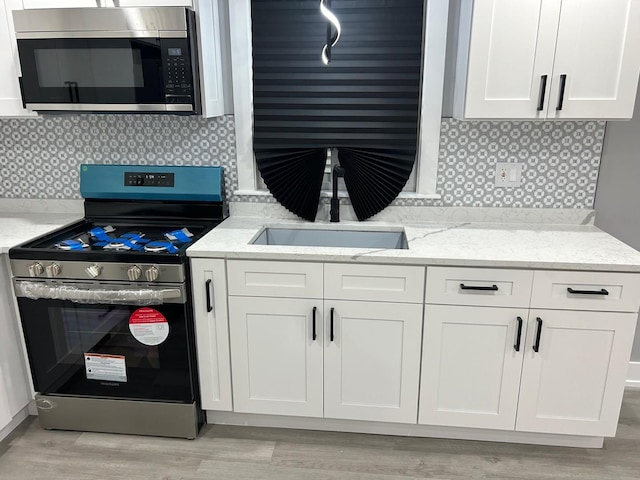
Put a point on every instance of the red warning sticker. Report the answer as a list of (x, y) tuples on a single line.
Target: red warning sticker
[(149, 326)]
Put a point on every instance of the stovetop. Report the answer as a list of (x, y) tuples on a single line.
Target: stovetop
[(116, 240)]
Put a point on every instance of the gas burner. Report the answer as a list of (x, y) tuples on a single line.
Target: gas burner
[(160, 247), (77, 244)]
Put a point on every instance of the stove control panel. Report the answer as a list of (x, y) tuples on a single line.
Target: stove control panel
[(148, 179)]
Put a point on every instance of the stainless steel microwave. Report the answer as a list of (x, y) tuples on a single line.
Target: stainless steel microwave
[(109, 59)]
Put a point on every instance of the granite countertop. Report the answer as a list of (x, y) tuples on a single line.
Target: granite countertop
[(567, 247), (18, 227)]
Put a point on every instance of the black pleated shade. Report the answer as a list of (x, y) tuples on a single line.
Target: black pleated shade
[(294, 177), (365, 102), (374, 178)]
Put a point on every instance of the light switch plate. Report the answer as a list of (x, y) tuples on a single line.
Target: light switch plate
[(508, 174)]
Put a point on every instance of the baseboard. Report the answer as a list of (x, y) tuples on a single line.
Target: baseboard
[(398, 429), (633, 377), (18, 418)]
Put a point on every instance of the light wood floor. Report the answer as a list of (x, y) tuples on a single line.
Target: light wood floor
[(221, 452)]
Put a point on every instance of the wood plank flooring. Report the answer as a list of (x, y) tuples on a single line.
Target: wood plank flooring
[(245, 453)]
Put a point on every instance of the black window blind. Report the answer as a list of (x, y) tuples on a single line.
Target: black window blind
[(365, 102)]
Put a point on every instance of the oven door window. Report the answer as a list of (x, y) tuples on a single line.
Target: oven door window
[(89, 350), (118, 70)]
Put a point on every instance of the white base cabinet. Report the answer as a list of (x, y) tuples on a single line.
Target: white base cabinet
[(276, 358), (471, 364), (209, 285), (5, 410), (574, 382), (372, 360)]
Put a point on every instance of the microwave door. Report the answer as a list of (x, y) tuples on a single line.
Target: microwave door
[(118, 74)]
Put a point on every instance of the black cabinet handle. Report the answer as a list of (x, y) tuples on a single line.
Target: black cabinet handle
[(331, 325), (563, 83), (536, 346), (602, 291), (208, 290), (314, 323), (543, 92), (492, 288), (519, 335)]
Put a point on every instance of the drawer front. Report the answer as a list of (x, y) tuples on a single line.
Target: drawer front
[(274, 279), (378, 283), (613, 292), (478, 286)]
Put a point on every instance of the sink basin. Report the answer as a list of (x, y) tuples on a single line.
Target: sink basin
[(315, 237)]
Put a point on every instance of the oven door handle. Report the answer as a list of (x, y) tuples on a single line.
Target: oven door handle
[(137, 296)]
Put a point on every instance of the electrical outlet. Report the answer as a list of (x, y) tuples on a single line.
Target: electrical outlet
[(508, 174)]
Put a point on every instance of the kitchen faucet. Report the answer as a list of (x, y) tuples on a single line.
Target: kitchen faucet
[(334, 213)]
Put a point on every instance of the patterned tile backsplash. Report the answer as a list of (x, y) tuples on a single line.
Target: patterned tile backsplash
[(39, 157)]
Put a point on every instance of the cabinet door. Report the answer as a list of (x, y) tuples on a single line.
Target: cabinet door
[(62, 3), (597, 51), (212, 332), (10, 97), (372, 365), (5, 409), (574, 383), (471, 365), (277, 363), (506, 48)]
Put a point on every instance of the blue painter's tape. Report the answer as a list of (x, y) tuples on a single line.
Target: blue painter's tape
[(179, 235)]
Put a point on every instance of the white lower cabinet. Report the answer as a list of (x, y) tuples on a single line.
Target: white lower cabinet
[(471, 364), (209, 285), (372, 360), (5, 410), (277, 362), (574, 382)]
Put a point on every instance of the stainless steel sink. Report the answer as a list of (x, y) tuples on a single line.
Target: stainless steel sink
[(316, 237)]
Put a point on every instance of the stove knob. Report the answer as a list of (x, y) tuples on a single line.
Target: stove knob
[(94, 270), (134, 273), (53, 270), (35, 269), (152, 274)]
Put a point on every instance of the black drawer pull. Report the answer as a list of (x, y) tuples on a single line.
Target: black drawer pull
[(208, 290), (543, 92), (331, 326), (519, 335), (492, 288), (314, 323), (563, 83), (602, 291), (536, 346)]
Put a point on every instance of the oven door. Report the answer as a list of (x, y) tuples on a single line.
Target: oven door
[(110, 341), (119, 74)]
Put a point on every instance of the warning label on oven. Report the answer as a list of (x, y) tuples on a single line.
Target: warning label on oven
[(149, 326), (111, 368)]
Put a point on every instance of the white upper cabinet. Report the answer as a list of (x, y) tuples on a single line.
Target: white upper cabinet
[(537, 59), (10, 97), (597, 59)]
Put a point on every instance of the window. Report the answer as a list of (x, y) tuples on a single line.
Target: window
[(435, 17)]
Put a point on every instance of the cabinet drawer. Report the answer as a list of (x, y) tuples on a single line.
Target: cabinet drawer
[(478, 286), (275, 279), (382, 283), (613, 292)]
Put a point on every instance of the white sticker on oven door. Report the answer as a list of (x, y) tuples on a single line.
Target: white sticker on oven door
[(111, 368), (149, 326)]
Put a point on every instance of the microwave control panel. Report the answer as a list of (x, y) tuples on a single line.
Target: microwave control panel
[(178, 71)]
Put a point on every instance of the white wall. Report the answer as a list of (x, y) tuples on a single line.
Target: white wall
[(618, 193)]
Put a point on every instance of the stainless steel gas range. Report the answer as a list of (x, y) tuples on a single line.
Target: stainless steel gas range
[(105, 303)]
